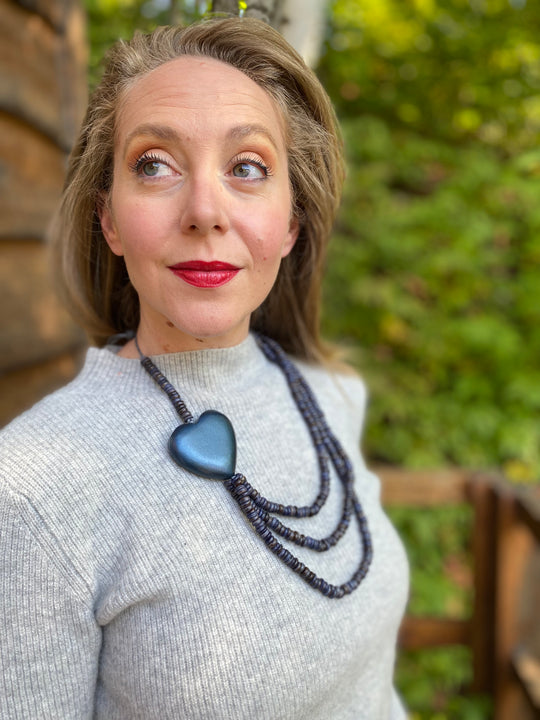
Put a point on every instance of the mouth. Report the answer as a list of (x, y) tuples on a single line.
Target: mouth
[(205, 274)]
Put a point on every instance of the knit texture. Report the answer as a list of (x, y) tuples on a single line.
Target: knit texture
[(131, 589)]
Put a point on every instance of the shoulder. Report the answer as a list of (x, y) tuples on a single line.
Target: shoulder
[(57, 432), (56, 409), (341, 394), (102, 377), (341, 385)]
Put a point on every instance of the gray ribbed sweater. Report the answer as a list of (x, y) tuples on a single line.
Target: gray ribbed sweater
[(132, 589)]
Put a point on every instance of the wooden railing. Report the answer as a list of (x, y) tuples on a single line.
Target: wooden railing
[(506, 533)]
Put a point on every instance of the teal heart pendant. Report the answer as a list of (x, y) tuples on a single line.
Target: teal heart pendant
[(206, 447)]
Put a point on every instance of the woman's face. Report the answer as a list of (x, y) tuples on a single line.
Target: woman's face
[(200, 205)]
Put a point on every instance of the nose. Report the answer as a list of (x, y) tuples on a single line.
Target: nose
[(204, 206)]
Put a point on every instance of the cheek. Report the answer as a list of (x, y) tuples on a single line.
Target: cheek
[(266, 251), (138, 229), (272, 237), (273, 249), (268, 260)]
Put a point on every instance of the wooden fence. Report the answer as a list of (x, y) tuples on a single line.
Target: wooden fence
[(503, 631), (42, 98)]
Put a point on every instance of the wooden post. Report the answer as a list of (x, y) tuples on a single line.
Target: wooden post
[(226, 6), (514, 544), (484, 551), (270, 11)]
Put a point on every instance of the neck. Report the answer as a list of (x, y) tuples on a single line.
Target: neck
[(175, 341)]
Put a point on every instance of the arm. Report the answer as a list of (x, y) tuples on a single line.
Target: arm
[(50, 641)]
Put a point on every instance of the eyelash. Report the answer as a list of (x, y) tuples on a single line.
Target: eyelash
[(253, 161), (136, 167)]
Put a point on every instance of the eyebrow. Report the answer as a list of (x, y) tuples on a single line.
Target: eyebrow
[(164, 132), (242, 131)]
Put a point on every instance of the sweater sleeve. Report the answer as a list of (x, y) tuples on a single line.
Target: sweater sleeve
[(50, 641)]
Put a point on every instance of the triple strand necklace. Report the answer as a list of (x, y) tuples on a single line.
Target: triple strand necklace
[(207, 447)]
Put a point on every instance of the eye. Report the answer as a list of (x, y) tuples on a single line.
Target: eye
[(250, 169), (151, 166)]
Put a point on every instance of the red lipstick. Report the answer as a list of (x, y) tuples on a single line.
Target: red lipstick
[(205, 274)]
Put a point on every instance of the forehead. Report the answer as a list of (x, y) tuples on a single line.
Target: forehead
[(201, 93)]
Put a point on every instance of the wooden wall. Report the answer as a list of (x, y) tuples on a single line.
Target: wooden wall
[(42, 98)]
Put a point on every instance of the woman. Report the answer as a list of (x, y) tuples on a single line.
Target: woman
[(249, 570)]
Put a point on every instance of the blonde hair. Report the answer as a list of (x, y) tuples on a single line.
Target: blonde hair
[(94, 281)]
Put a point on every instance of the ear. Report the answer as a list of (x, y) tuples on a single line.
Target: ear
[(108, 226), (294, 229)]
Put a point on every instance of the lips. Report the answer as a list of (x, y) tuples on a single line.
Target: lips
[(205, 274)]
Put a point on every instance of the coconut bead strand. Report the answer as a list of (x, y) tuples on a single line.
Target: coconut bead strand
[(207, 447)]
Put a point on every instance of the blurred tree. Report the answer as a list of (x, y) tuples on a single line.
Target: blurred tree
[(436, 256), (457, 69), (110, 20), (302, 22)]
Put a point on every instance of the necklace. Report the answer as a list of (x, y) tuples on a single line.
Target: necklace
[(207, 447)]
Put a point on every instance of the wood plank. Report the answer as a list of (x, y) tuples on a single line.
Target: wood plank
[(29, 53), (529, 609), (31, 179), (22, 388), (42, 73), (52, 11), (34, 325), (529, 510), (514, 545), (71, 73), (422, 488), (421, 632), (482, 496)]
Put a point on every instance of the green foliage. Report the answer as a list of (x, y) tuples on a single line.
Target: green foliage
[(438, 552), (432, 683), (111, 20), (454, 69), (431, 276), (434, 264)]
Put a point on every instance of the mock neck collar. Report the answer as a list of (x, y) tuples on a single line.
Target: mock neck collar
[(213, 365), (211, 368)]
